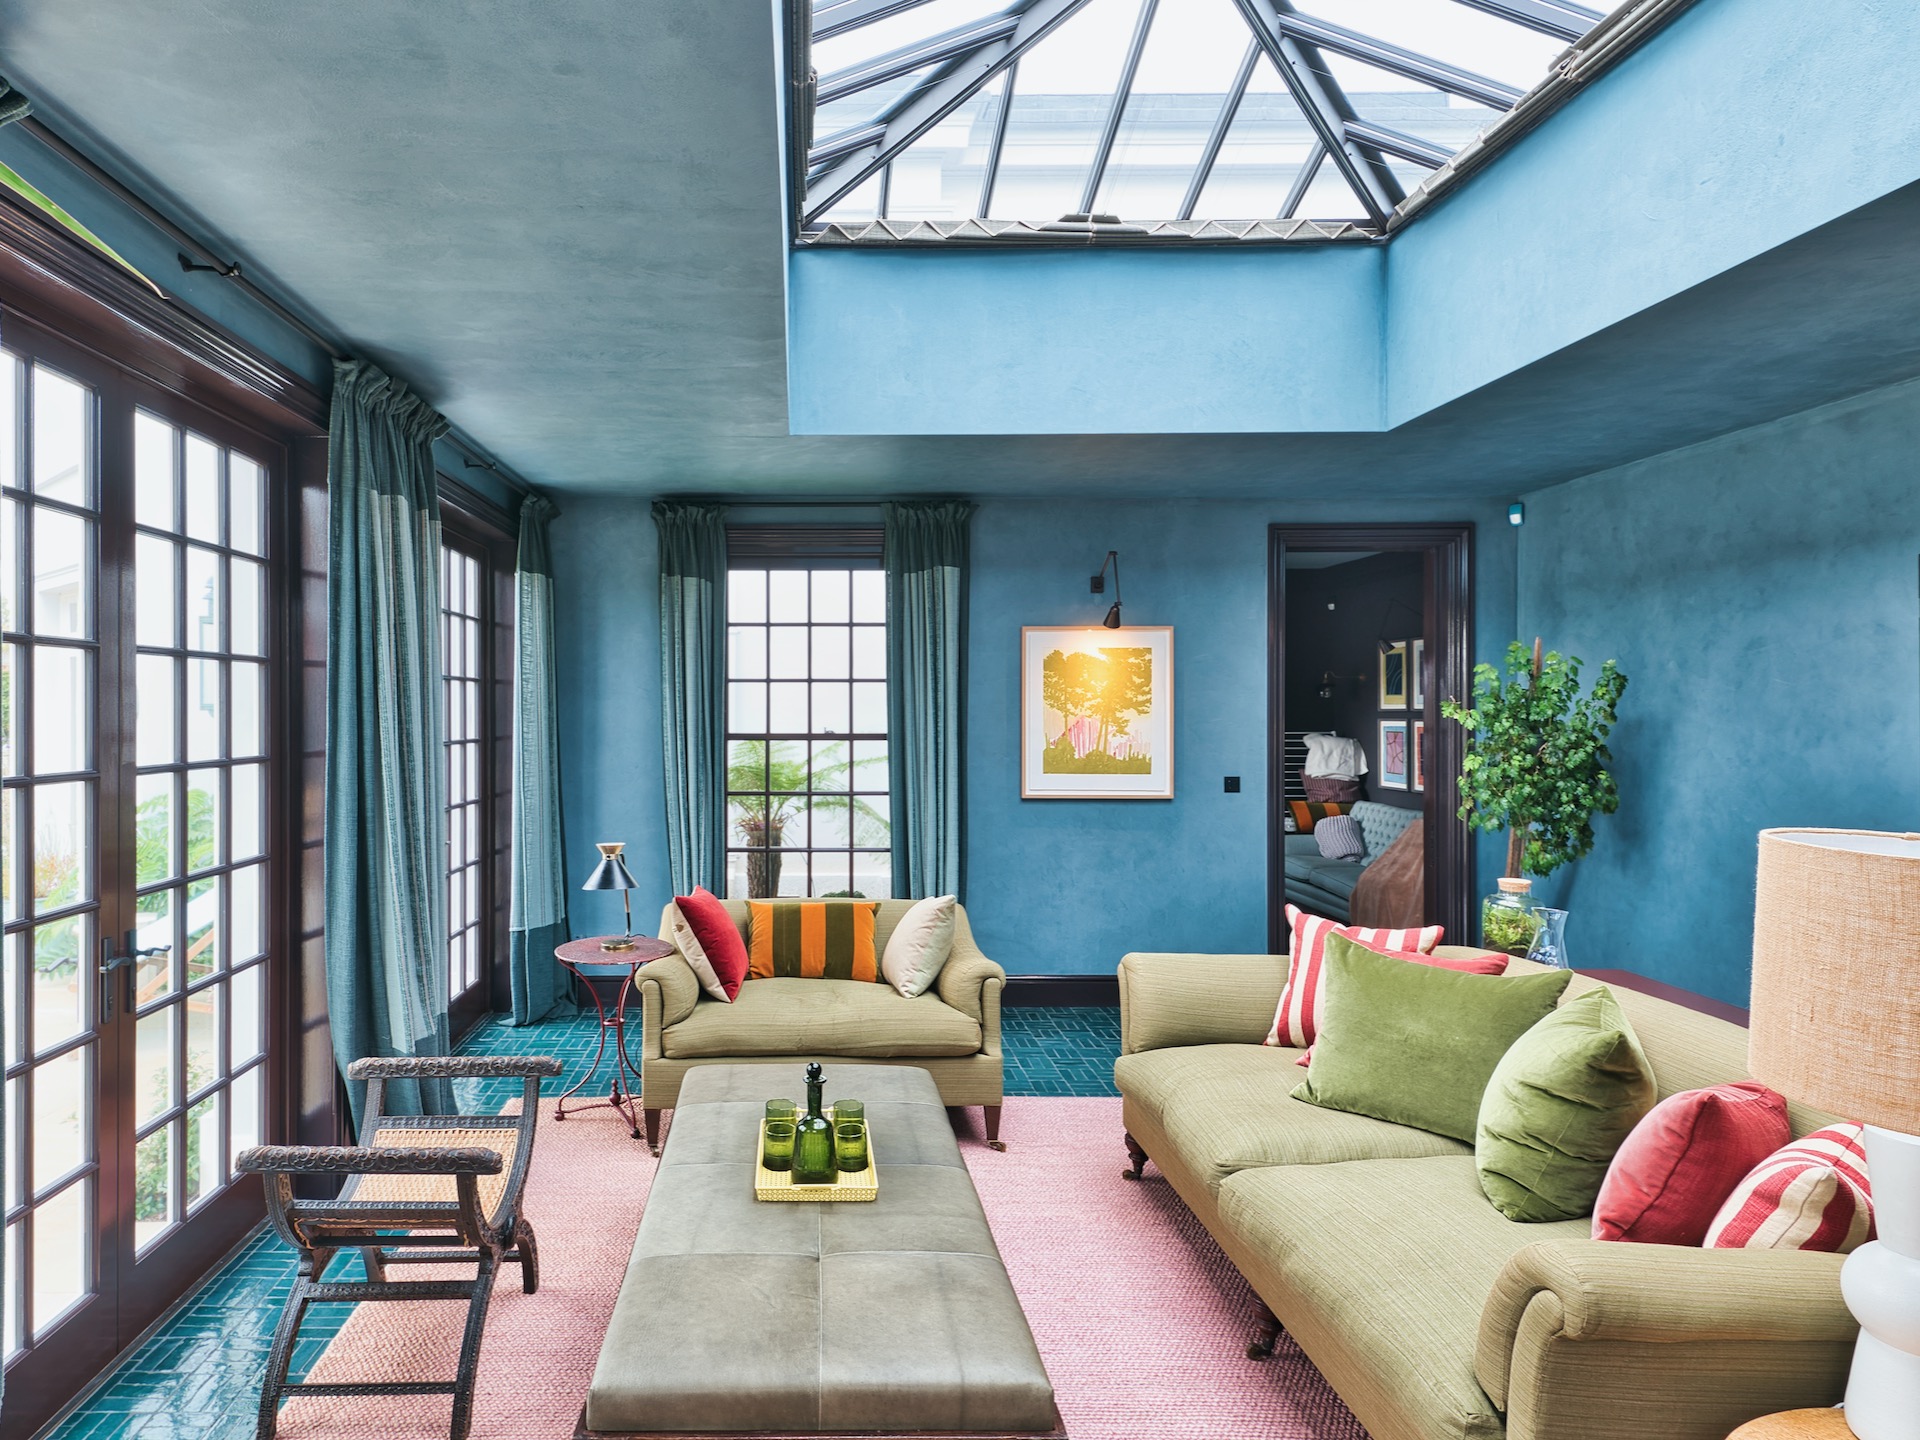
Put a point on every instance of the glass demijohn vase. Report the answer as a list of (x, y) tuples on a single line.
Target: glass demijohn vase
[(813, 1137), (1550, 944), (1508, 920)]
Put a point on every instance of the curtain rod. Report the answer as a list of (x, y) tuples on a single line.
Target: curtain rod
[(210, 262)]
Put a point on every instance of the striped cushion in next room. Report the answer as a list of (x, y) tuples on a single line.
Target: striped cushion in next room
[(1809, 1195), (812, 939)]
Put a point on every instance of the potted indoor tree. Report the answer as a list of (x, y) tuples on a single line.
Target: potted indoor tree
[(1536, 767), (768, 790)]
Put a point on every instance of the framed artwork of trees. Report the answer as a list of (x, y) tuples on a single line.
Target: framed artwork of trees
[(1096, 713)]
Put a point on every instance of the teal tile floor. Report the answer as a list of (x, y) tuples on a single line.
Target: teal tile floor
[(198, 1376)]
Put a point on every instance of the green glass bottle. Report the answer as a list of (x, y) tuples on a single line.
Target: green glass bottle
[(813, 1137)]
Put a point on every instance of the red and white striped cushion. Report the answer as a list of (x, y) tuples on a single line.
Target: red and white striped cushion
[(1297, 1021), (1810, 1195)]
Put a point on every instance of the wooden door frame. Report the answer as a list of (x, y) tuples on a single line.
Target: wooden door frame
[(1447, 549)]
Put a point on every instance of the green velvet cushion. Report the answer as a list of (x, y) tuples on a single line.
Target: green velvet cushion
[(1415, 1044), (1559, 1104)]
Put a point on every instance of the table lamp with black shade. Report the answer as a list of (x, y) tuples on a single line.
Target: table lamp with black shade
[(612, 874)]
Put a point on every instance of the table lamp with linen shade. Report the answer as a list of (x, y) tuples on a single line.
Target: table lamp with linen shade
[(612, 874), (1836, 1025)]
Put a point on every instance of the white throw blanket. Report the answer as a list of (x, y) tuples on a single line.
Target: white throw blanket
[(1335, 757)]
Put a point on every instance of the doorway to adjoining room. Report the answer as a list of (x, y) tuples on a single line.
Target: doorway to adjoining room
[(1370, 627)]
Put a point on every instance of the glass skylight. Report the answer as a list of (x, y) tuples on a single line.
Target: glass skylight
[(1164, 113)]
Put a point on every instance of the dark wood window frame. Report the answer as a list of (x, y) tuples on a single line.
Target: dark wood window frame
[(474, 528), (1447, 549), (61, 300)]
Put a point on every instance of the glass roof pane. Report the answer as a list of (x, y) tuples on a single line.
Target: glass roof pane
[(1191, 57), (1269, 142), (1408, 106), (922, 22), (1447, 30), (938, 177), (1053, 127), (1063, 92)]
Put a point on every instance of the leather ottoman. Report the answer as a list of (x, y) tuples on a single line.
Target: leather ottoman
[(889, 1318)]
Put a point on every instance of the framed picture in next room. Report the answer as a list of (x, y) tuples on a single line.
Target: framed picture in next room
[(1096, 713), (1417, 675), (1394, 764), (1419, 753), (1393, 676)]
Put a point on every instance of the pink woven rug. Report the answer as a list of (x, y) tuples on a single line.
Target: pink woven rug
[(1142, 1321)]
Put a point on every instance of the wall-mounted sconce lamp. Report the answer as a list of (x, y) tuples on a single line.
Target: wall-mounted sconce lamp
[(1329, 681), (1516, 513), (1098, 586)]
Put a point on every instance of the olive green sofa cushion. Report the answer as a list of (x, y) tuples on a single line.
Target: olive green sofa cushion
[(856, 1018)]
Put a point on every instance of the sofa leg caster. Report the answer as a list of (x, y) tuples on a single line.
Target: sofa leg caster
[(991, 1113), (1137, 1156), (1265, 1337), (652, 1118)]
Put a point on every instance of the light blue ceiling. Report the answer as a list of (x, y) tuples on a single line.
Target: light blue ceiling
[(562, 223)]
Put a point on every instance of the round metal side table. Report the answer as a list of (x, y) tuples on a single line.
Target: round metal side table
[(608, 976)]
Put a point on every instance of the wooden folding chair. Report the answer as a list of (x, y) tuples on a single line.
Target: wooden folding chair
[(419, 1190)]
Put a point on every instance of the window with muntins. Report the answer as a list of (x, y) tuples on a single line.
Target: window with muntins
[(807, 805), (462, 613)]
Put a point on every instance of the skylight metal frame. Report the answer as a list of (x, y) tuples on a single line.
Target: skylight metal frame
[(962, 61)]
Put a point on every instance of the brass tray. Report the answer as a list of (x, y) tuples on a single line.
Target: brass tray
[(778, 1184)]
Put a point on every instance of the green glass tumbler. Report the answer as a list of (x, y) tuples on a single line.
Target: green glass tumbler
[(776, 1146), (850, 1145), (849, 1110), (782, 1110)]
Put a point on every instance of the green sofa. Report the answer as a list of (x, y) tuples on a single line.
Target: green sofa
[(1434, 1317), (952, 1032)]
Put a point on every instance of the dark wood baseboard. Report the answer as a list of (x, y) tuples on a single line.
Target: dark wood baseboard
[(1061, 990)]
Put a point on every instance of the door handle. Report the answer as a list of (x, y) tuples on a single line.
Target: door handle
[(112, 962)]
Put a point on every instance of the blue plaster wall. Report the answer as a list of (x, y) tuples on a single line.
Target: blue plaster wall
[(607, 649), (1122, 342), (1055, 887), (1718, 140), (1759, 592)]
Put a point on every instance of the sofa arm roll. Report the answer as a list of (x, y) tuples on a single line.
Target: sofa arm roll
[(1779, 1309), (678, 989), (1169, 1000), (964, 980)]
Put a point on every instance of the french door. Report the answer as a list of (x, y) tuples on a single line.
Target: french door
[(137, 716)]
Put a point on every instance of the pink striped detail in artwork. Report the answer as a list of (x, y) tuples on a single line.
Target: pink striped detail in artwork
[(1297, 1021), (1810, 1195)]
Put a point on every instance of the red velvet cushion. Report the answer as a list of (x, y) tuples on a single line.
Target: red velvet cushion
[(718, 936), (1684, 1159)]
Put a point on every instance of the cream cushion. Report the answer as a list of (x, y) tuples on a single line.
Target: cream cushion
[(688, 944), (919, 946)]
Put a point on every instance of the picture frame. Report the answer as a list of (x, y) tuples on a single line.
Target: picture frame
[(1393, 676), (1096, 712), (1394, 772), (1417, 676), (1418, 753)]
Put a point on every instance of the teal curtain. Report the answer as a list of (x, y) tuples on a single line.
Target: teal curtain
[(386, 854), (926, 693), (693, 689), (539, 915)]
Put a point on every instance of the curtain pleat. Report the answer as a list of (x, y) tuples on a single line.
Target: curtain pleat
[(386, 905), (539, 907), (926, 693), (693, 689)]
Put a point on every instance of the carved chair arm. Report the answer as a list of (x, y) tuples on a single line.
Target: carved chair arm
[(367, 1160), (454, 1067)]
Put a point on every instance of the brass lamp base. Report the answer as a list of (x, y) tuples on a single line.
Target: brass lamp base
[(617, 943)]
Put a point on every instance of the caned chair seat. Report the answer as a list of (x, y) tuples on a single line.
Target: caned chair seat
[(503, 1139)]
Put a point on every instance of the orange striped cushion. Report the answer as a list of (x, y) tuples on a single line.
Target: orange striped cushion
[(1309, 813), (812, 939)]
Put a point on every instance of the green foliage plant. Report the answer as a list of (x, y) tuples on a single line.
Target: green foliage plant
[(1537, 757)]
